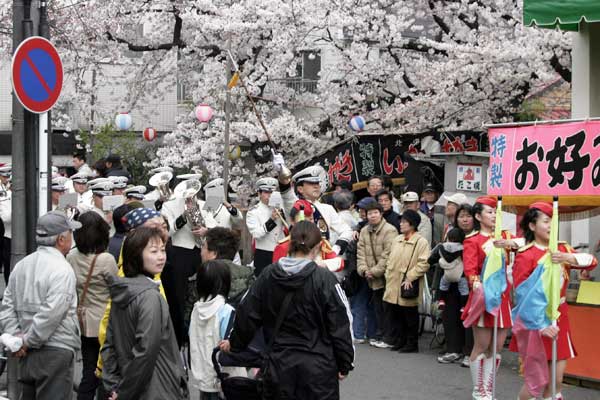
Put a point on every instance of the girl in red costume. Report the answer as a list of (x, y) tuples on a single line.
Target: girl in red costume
[(536, 226), (477, 246)]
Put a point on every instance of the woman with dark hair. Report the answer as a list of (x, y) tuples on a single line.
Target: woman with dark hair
[(536, 227), (140, 354), (313, 348), (463, 219), (93, 268), (406, 268), (459, 340), (477, 246)]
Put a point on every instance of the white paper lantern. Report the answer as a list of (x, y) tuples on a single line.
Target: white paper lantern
[(204, 112), (123, 121)]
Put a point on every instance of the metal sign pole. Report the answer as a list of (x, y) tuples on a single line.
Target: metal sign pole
[(43, 164)]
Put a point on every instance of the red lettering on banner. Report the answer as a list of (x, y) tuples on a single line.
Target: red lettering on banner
[(471, 144), (412, 149), (341, 169), (396, 164), (453, 146)]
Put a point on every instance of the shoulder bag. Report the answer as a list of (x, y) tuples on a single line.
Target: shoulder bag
[(413, 292), (80, 307)]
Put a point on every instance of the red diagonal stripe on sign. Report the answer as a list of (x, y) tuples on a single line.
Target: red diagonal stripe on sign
[(38, 74)]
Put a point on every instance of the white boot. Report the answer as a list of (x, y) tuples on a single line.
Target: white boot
[(559, 396), (477, 375), (488, 370)]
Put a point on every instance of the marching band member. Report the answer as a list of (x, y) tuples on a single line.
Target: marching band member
[(264, 224), (187, 230), (155, 194), (134, 193), (308, 187), (100, 188), (303, 210), (84, 195), (477, 246), (58, 189), (6, 216), (225, 216), (119, 184), (536, 227)]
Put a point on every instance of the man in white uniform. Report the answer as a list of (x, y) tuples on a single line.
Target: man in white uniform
[(225, 215), (309, 184), (119, 184), (264, 224), (58, 189), (134, 193), (100, 188), (84, 195), (6, 217)]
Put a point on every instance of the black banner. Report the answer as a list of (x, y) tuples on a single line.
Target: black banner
[(360, 157)]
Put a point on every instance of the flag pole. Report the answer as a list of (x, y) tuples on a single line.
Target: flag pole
[(495, 337), (554, 323)]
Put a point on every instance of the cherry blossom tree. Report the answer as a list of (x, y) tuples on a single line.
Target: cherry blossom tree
[(405, 66)]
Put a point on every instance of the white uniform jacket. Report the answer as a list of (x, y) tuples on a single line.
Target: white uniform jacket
[(184, 237), (256, 218), (6, 214), (338, 229), (85, 201)]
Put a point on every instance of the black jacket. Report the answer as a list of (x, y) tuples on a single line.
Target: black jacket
[(141, 358), (118, 171), (393, 218), (314, 342)]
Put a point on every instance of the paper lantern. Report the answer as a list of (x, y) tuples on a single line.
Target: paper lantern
[(149, 134), (235, 153), (204, 112), (357, 123), (123, 121)]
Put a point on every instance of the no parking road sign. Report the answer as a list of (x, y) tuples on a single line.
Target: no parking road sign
[(37, 74)]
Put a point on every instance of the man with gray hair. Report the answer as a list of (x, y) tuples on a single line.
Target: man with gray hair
[(40, 306)]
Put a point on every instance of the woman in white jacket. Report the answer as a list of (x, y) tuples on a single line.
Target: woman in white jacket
[(210, 317)]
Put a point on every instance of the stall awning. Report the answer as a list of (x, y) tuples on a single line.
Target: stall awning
[(566, 14)]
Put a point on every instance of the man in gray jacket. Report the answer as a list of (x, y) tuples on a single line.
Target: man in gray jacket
[(40, 305)]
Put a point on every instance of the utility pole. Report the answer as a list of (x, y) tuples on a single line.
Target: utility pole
[(227, 122)]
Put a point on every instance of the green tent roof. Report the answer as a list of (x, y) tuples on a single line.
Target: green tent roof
[(566, 14)]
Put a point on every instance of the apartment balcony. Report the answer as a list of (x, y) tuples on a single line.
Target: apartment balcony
[(299, 85)]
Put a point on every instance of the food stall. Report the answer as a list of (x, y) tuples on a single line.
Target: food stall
[(536, 161)]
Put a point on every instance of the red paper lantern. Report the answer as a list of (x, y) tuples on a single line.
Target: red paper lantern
[(204, 112), (149, 134)]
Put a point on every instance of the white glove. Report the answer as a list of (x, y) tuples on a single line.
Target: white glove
[(278, 162), (336, 249), (13, 343)]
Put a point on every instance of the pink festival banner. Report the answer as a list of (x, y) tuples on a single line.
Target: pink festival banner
[(559, 159)]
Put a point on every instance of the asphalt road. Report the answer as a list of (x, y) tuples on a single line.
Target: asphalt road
[(382, 374)]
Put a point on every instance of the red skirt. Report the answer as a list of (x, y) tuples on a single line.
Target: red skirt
[(564, 345), (486, 320)]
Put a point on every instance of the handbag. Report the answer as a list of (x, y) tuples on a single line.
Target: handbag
[(413, 292), (239, 387), (80, 307)]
